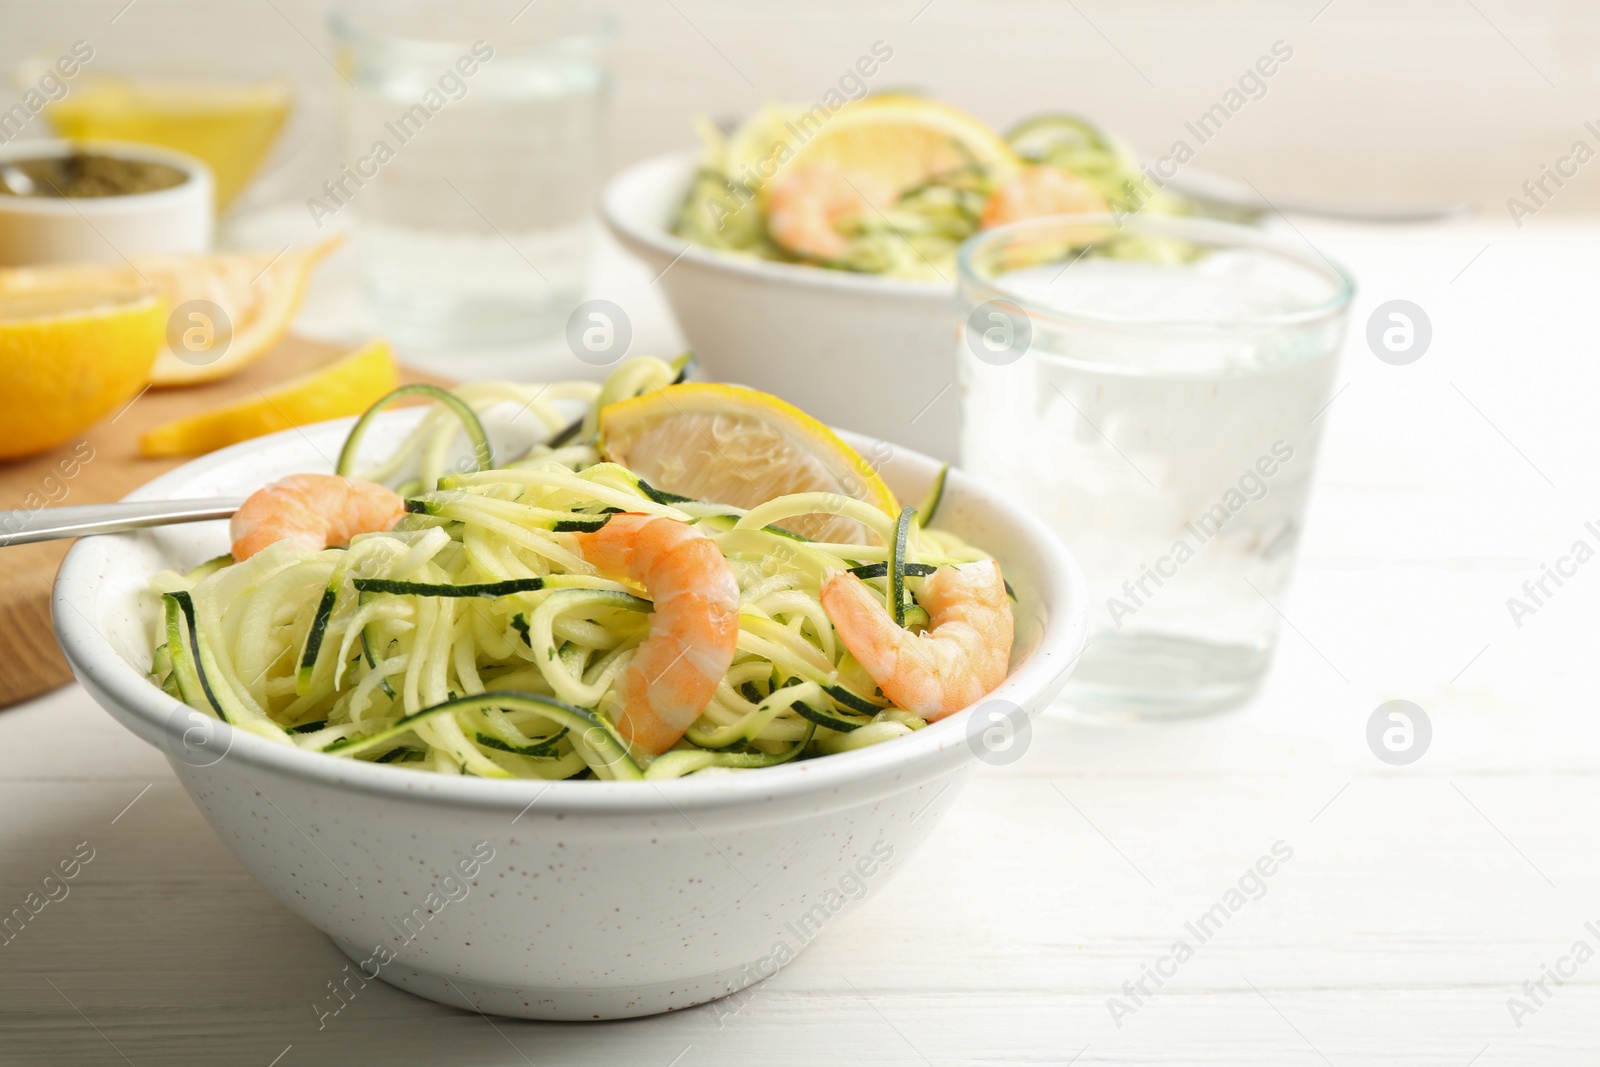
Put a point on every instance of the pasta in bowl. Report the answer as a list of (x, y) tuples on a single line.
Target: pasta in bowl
[(560, 931), (559, 616)]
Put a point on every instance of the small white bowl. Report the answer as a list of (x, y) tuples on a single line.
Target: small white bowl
[(871, 354), (597, 900), (105, 229)]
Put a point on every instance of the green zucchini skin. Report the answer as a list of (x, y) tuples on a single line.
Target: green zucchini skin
[(575, 524), (183, 675), (685, 366), (489, 590), (831, 722), (483, 454), (879, 570), (547, 749), (318, 630), (935, 496), (193, 665), (324, 613), (591, 728), (581, 525), (897, 565), (676, 762), (567, 433), (853, 701), (210, 567), (661, 496)]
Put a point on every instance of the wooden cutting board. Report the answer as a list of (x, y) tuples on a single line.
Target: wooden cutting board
[(102, 466)]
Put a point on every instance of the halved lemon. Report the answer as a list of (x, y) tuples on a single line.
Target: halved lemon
[(738, 446), (892, 142), (69, 359), (227, 310), (347, 386)]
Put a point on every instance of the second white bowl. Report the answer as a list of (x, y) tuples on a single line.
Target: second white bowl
[(871, 354)]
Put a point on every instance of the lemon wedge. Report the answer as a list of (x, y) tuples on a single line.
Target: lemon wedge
[(347, 386), (68, 359), (732, 445), (890, 143), (227, 310)]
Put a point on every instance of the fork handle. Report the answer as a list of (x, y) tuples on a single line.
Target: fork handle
[(48, 524)]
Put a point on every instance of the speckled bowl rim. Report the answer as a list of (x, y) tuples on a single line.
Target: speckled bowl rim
[(940, 747)]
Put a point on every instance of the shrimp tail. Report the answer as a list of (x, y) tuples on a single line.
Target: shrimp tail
[(963, 655)]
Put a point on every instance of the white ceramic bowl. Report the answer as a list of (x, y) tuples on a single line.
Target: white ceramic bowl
[(597, 900), (105, 229), (871, 354)]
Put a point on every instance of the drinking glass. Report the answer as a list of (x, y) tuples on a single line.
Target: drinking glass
[(472, 138), (1151, 386), (230, 112)]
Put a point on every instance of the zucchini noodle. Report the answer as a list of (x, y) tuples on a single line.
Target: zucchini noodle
[(473, 638), (917, 236)]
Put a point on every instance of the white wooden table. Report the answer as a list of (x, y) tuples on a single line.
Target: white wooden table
[(1418, 899)]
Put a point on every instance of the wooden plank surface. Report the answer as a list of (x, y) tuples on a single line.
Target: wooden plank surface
[(101, 466)]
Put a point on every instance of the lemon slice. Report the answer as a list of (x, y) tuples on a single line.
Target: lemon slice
[(893, 143), (227, 310), (347, 386), (732, 445), (69, 359)]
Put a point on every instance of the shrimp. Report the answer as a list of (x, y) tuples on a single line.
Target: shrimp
[(963, 655), (1040, 190), (806, 205), (694, 629), (312, 511)]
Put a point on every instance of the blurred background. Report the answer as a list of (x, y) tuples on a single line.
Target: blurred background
[(1427, 103), (1383, 102)]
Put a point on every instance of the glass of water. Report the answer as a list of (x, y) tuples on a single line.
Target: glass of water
[(1152, 387), (472, 135)]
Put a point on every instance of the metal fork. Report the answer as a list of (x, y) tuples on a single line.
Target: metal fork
[(50, 524)]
